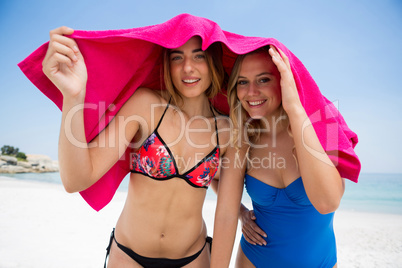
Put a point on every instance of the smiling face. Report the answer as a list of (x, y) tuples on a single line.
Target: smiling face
[(189, 69), (258, 86)]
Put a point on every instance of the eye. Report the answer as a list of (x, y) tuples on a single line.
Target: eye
[(264, 80), (199, 56), (175, 57), (242, 82)]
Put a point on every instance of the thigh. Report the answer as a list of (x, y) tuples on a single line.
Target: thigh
[(119, 259), (242, 261)]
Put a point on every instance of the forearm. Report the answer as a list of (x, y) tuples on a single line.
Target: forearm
[(321, 179), (242, 209), (224, 237), (226, 218), (74, 157)]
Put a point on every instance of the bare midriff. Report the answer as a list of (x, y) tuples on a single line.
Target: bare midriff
[(162, 219)]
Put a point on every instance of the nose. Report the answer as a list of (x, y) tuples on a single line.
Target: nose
[(253, 90), (188, 65)]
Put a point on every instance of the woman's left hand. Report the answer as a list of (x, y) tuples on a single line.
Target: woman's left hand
[(290, 96)]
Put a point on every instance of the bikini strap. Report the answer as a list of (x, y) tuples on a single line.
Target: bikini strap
[(160, 120), (216, 124), (108, 247)]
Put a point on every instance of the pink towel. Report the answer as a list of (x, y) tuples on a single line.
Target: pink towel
[(120, 61)]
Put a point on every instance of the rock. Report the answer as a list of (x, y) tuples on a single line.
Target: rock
[(42, 163), (24, 164), (34, 163), (13, 169), (11, 160), (38, 158)]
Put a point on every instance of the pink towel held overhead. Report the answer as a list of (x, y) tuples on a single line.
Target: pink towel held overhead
[(120, 61)]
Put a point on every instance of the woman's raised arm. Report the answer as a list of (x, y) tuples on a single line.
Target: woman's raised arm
[(82, 163), (321, 179)]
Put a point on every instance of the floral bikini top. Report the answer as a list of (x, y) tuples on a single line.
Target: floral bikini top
[(155, 160)]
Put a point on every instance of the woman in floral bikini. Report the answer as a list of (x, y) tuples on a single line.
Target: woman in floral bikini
[(166, 173)]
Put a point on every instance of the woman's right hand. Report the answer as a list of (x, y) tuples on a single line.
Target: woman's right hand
[(251, 232), (64, 64)]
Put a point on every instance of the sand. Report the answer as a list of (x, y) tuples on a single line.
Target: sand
[(43, 226)]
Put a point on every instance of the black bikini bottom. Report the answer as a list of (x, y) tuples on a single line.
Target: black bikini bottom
[(155, 262)]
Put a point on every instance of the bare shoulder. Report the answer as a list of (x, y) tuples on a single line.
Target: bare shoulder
[(146, 96), (142, 102)]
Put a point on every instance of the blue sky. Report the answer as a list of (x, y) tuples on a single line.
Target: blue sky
[(351, 48)]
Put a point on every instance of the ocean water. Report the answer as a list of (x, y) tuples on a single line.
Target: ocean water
[(375, 192)]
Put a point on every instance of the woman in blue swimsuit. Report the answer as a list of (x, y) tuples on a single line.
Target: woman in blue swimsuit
[(294, 192)]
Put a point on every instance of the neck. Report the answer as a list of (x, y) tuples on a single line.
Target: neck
[(275, 123), (196, 106)]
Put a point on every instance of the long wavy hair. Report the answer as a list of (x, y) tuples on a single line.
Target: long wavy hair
[(214, 61), (245, 128)]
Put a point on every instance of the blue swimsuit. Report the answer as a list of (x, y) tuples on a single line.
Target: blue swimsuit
[(298, 235)]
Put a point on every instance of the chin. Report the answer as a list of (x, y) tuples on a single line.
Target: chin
[(256, 116)]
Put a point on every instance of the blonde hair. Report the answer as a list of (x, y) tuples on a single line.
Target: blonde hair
[(214, 61), (238, 114)]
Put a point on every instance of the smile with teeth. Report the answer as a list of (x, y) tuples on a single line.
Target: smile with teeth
[(256, 103), (190, 81)]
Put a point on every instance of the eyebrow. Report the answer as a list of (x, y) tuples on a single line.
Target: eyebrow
[(264, 73), (181, 52)]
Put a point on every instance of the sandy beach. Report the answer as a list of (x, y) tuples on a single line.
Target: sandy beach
[(43, 226)]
